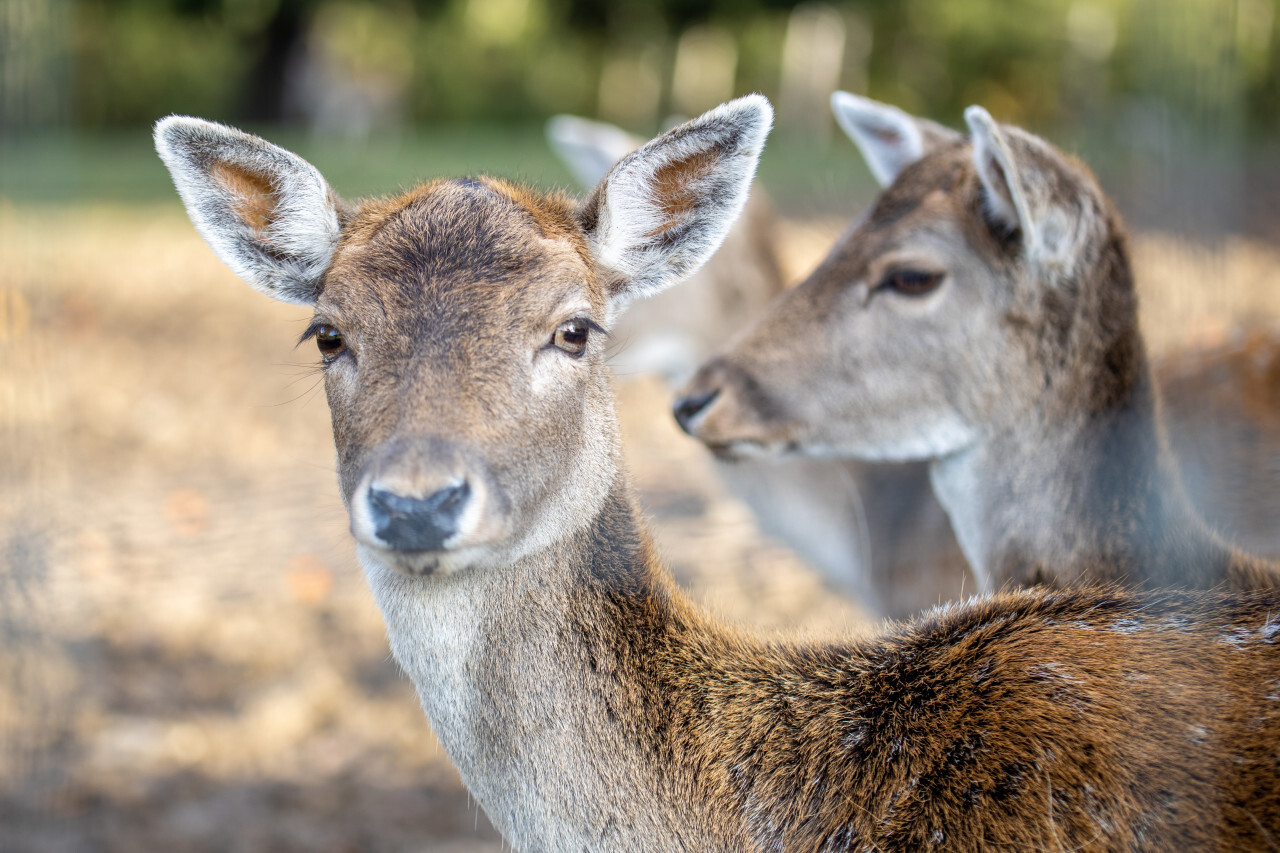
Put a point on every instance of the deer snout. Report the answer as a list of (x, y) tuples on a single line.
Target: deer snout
[(407, 523), (427, 505), (702, 405), (724, 407), (687, 409)]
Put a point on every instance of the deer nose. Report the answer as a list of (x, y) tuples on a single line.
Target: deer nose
[(688, 408), (417, 524)]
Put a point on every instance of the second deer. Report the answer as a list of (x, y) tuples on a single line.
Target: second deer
[(983, 318)]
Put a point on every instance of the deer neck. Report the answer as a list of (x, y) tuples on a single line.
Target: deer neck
[(519, 672), (589, 706), (1080, 490)]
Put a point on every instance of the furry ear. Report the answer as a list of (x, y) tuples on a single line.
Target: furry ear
[(890, 140), (266, 213), (664, 209), (1030, 187), (589, 148), (1006, 202)]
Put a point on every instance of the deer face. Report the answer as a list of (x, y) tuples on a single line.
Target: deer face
[(462, 325), (927, 324), (461, 329)]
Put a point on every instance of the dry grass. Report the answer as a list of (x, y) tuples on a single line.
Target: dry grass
[(190, 659)]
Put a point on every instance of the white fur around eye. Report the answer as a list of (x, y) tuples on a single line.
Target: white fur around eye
[(552, 367)]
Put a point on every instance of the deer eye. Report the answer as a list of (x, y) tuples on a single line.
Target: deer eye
[(330, 343), (572, 337), (911, 282)]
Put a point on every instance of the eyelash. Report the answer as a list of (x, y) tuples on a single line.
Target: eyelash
[(909, 282), (329, 341)]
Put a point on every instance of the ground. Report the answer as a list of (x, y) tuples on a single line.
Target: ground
[(189, 658)]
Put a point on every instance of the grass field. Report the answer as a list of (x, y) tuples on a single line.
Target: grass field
[(189, 659)]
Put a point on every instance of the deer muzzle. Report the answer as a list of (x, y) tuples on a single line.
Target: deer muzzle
[(725, 408), (427, 504)]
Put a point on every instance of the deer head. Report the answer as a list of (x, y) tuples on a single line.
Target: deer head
[(462, 325), (978, 291)]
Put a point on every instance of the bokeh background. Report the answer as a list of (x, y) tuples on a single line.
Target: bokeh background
[(189, 659)]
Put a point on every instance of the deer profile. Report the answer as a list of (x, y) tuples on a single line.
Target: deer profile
[(982, 318), (586, 703)]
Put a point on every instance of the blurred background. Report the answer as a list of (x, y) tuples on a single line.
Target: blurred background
[(188, 656), (382, 92)]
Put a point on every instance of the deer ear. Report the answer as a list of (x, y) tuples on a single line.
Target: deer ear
[(1027, 185), (589, 148), (1001, 183), (664, 209), (890, 140), (266, 213)]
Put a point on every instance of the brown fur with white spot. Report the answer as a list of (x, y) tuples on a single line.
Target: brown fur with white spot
[(585, 702)]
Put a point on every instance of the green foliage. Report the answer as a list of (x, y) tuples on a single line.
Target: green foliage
[(139, 59), (1041, 62)]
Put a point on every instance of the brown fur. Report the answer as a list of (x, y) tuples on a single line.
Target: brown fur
[(256, 201), (672, 185), (1095, 719)]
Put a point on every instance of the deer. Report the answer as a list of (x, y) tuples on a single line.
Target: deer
[(462, 328), (981, 319), (1223, 403)]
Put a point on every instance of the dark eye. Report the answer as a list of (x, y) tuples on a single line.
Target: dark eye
[(911, 282), (329, 341), (572, 337)]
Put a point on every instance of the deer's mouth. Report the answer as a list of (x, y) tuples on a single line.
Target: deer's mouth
[(744, 449), (427, 564), (418, 564)]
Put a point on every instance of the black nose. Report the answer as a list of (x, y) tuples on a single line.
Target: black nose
[(417, 524), (688, 408)]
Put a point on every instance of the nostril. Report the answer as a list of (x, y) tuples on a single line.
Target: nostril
[(688, 408), (449, 501), (417, 524)]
